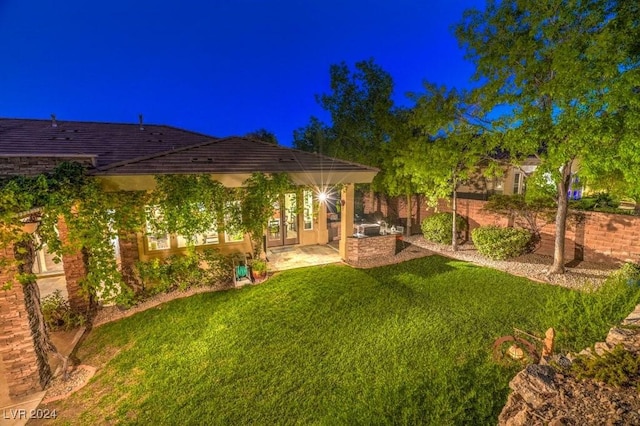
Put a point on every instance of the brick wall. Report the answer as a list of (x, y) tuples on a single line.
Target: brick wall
[(596, 237), (362, 249), (75, 269), (30, 166), (17, 350), (128, 257)]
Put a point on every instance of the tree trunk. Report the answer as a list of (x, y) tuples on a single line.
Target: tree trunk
[(454, 211), (561, 218), (25, 253), (409, 208)]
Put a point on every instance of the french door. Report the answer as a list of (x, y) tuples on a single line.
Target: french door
[(282, 228)]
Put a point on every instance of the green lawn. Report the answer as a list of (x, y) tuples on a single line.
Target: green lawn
[(403, 344)]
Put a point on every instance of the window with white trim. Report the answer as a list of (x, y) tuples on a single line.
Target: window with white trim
[(156, 241), (307, 203)]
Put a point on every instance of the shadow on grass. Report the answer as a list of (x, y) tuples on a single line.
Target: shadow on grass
[(424, 267)]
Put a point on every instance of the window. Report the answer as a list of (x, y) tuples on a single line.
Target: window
[(156, 241), (307, 203), (208, 238), (518, 183), (231, 232), (498, 185), (575, 189)]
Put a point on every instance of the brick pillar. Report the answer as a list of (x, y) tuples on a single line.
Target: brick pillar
[(129, 255), (75, 269), (24, 369)]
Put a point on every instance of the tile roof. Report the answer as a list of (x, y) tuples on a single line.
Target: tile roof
[(231, 155), (110, 142), (125, 149)]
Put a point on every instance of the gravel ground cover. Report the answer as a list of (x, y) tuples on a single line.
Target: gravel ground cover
[(532, 266)]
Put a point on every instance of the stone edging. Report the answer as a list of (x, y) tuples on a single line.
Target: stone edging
[(109, 314), (91, 372)]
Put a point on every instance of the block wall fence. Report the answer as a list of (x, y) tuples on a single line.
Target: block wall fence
[(595, 237)]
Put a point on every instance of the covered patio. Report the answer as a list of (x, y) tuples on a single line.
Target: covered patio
[(291, 257)]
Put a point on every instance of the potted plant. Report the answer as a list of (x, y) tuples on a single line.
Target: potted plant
[(258, 269)]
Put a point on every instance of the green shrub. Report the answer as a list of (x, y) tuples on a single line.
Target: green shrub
[(438, 227), (58, 314), (193, 269), (592, 313), (154, 275), (500, 243), (616, 368)]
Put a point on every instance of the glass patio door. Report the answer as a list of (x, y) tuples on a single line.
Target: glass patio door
[(282, 228)]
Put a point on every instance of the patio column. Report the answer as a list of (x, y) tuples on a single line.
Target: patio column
[(347, 212), (323, 230), (75, 270)]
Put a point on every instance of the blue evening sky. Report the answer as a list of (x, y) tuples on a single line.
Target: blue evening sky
[(218, 67)]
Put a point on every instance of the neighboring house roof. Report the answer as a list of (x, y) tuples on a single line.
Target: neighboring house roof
[(109, 142), (130, 149)]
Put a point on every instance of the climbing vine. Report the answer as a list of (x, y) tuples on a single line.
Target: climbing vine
[(35, 210), (259, 194), (187, 205)]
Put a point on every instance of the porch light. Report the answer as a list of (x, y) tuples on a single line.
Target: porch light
[(322, 197)]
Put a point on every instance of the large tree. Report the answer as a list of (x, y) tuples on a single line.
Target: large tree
[(444, 149), (565, 71), (361, 111), (394, 178)]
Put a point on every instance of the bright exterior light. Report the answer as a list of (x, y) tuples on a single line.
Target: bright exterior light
[(322, 197)]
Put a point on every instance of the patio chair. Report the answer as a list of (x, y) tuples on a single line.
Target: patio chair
[(241, 271)]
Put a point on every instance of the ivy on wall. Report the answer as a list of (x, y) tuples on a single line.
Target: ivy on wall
[(187, 205)]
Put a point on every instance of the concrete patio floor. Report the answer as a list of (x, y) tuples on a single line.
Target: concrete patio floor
[(291, 257)]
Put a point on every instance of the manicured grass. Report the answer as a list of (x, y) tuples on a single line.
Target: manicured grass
[(404, 344)]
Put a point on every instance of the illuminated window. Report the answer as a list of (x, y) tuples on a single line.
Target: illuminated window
[(307, 202), (231, 233), (156, 241), (208, 238)]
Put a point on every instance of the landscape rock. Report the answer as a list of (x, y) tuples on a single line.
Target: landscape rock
[(627, 337), (542, 396), (535, 384)]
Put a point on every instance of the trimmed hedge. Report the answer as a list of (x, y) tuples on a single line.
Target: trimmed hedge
[(501, 243), (437, 228)]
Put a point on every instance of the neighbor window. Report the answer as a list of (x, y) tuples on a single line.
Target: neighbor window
[(518, 183), (498, 185)]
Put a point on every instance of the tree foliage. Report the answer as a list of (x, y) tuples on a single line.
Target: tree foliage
[(567, 73), (263, 135), (442, 147), (187, 205), (314, 137), (260, 192), (361, 111)]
